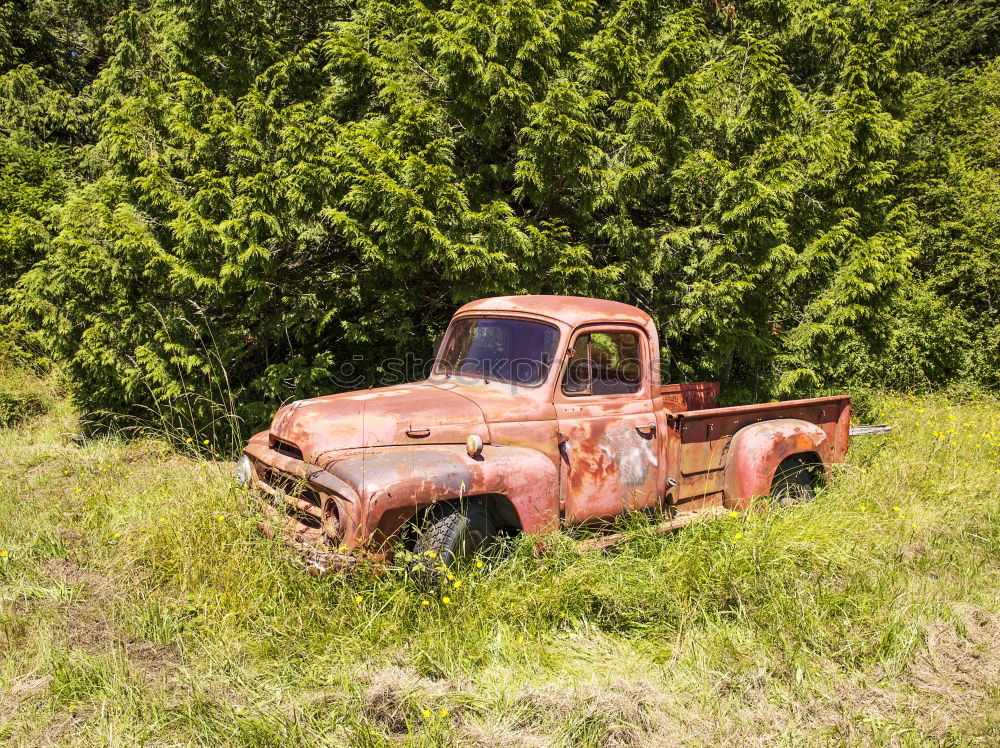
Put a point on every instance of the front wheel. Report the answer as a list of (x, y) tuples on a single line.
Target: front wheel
[(453, 532), (793, 482)]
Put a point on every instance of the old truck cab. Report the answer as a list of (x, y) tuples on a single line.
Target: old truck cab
[(539, 411)]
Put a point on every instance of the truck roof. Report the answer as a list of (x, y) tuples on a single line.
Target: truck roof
[(573, 310)]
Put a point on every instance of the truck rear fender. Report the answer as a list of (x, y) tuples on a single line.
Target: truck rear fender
[(399, 483), (756, 451)]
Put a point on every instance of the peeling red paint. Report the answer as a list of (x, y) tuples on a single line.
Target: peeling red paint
[(350, 470)]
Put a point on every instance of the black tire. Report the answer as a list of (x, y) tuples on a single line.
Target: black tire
[(453, 532), (793, 482)]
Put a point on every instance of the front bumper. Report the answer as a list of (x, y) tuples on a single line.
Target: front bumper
[(318, 558)]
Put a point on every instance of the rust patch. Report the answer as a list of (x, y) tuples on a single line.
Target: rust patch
[(446, 474), (634, 455)]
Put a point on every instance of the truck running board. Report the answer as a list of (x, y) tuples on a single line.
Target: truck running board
[(674, 523)]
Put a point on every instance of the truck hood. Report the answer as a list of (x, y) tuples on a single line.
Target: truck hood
[(385, 416)]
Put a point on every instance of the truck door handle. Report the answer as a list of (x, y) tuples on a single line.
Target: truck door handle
[(646, 428), (417, 431)]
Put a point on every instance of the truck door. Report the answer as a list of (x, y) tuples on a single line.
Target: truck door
[(607, 426)]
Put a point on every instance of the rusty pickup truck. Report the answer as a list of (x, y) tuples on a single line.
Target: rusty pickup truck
[(538, 412)]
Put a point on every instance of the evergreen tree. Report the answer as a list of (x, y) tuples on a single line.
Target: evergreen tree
[(801, 193)]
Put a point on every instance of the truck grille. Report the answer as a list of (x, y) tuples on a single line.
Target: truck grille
[(294, 496)]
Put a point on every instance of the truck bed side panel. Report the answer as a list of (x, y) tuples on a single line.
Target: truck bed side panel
[(698, 440)]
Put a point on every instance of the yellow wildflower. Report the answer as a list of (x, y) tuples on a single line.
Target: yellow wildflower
[(446, 600), (426, 712), (358, 598)]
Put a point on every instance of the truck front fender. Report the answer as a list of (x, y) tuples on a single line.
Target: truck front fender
[(397, 482), (756, 451)]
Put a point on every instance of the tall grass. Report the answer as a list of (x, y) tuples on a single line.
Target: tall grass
[(139, 604)]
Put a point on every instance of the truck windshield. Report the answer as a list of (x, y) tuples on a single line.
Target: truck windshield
[(497, 349)]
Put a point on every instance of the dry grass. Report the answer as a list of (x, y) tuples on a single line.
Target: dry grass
[(138, 605)]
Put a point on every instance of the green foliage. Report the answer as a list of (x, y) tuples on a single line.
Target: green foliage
[(16, 407), (22, 396), (954, 176), (239, 199)]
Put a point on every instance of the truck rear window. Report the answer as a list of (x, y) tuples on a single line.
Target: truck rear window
[(498, 349)]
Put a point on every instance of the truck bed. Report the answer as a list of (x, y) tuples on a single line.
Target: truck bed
[(699, 434)]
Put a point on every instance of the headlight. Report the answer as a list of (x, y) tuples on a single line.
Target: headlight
[(244, 471), (474, 445)]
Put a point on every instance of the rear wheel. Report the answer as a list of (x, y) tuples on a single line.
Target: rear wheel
[(793, 482), (452, 533)]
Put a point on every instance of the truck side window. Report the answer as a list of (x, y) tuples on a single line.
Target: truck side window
[(604, 363)]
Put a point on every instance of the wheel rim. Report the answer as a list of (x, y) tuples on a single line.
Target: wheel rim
[(791, 493), (468, 542)]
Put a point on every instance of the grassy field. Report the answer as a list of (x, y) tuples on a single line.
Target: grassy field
[(139, 605)]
